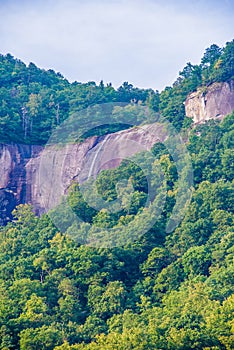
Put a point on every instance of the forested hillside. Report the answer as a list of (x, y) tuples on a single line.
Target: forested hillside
[(163, 290), (34, 101)]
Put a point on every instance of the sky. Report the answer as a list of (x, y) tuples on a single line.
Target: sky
[(144, 42)]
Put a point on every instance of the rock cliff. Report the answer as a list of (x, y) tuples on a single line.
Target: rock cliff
[(14, 188), (212, 102), (40, 176)]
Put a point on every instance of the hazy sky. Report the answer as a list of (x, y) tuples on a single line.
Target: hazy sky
[(143, 42)]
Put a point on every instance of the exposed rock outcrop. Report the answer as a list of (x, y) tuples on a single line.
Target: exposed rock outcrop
[(40, 176), (212, 102), (13, 176)]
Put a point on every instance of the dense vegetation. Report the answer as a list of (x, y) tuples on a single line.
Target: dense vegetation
[(35, 101), (163, 291)]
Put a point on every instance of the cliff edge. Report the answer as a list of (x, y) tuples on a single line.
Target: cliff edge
[(212, 102)]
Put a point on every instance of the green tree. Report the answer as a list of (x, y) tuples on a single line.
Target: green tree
[(44, 338)]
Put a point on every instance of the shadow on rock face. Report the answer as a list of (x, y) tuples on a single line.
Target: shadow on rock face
[(7, 204)]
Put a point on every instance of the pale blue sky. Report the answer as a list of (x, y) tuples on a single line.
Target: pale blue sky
[(143, 42)]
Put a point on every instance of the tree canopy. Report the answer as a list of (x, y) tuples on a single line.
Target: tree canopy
[(162, 291), (35, 101)]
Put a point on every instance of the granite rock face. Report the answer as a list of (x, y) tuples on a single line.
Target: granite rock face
[(212, 102), (52, 172), (40, 176)]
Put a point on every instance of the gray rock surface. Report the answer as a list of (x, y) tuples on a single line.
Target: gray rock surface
[(212, 102), (40, 176)]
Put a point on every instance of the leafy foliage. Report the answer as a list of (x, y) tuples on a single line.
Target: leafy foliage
[(35, 101), (162, 291), (165, 291)]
